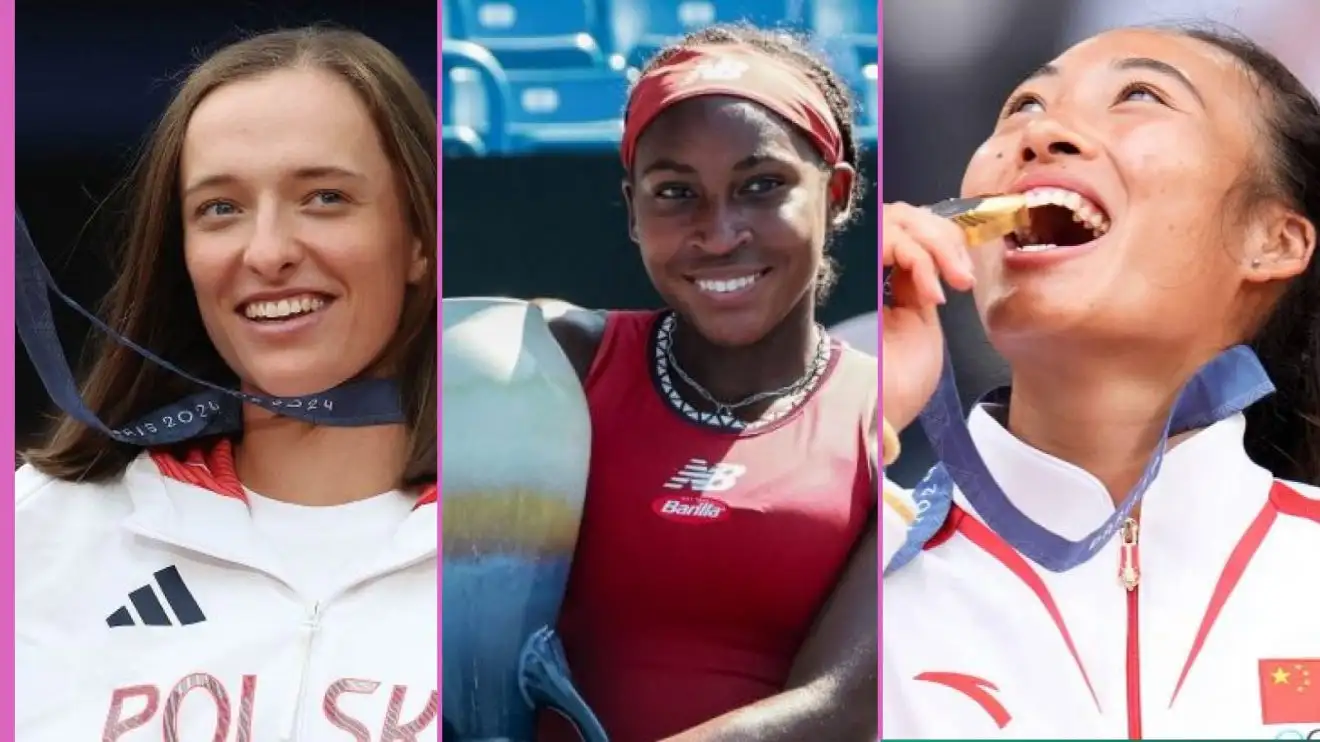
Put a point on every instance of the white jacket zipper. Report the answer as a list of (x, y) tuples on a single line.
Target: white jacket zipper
[(307, 638)]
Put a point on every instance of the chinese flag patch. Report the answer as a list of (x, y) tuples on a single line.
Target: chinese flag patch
[(1290, 691)]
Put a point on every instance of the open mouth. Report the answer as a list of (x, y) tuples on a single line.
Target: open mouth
[(729, 285), (284, 310), (1059, 218)]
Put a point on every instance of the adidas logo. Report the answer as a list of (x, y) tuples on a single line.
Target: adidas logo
[(148, 606)]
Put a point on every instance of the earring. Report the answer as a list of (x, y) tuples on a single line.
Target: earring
[(1255, 262)]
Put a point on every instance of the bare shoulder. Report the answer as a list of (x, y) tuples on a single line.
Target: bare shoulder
[(860, 359), (863, 367), (864, 370), (577, 330)]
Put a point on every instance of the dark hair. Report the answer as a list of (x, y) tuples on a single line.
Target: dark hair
[(795, 49), (1283, 430), (152, 301)]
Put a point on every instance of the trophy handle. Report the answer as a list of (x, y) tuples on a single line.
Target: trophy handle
[(543, 678)]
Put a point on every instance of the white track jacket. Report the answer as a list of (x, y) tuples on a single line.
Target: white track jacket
[(1201, 622), (149, 609)]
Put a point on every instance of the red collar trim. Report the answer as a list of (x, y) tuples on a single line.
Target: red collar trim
[(213, 470)]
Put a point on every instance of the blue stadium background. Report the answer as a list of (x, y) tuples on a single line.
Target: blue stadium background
[(534, 92), (537, 76)]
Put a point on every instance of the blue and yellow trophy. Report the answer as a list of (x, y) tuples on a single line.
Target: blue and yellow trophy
[(516, 447)]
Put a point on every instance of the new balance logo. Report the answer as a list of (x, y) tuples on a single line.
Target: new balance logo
[(716, 71), (149, 609), (699, 475)]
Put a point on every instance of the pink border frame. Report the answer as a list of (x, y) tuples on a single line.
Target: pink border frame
[(879, 188), (879, 293), (7, 55), (7, 419), (440, 345), (7, 202), (880, 345)]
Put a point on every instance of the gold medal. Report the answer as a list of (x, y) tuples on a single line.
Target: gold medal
[(987, 218)]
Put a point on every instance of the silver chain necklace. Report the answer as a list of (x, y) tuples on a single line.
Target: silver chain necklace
[(724, 410)]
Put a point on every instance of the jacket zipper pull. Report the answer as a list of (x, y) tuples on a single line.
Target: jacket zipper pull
[(310, 626), (1129, 571)]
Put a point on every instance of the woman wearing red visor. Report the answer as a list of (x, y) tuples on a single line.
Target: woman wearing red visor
[(724, 582)]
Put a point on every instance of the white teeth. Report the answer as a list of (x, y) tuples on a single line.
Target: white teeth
[(1037, 248), (283, 308), (724, 287), (1083, 210)]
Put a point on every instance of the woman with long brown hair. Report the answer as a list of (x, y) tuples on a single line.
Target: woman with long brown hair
[(281, 242)]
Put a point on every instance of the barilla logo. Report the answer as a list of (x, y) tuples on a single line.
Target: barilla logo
[(690, 509), (698, 475)]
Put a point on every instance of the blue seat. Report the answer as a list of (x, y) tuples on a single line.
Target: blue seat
[(859, 19), (525, 34), (640, 28), (845, 31), (868, 123), (566, 110), (451, 22), (475, 103), (849, 29)]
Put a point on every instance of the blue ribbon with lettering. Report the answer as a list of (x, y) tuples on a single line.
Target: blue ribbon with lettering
[(214, 410), (1230, 383)]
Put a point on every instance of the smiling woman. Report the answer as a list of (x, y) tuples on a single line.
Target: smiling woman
[(282, 247), (1104, 531), (262, 199), (745, 425)]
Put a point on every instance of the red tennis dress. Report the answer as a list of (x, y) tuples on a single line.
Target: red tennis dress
[(705, 554)]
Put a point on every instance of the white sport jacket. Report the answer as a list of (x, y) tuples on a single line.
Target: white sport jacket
[(150, 609), (1203, 622)]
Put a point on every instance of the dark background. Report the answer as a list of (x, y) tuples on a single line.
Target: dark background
[(942, 95), (948, 67), (90, 82)]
